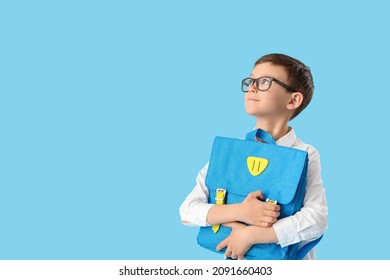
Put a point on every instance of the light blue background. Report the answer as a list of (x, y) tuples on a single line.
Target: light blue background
[(108, 110)]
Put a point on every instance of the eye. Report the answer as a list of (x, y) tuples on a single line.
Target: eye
[(247, 82), (264, 81)]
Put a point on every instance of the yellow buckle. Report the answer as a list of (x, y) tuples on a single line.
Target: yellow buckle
[(219, 199)]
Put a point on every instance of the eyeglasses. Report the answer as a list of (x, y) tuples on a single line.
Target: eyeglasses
[(263, 84)]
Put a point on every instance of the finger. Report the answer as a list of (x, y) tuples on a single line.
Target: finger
[(228, 252), (233, 256), (240, 254), (272, 207), (222, 245), (257, 194), (266, 225), (272, 214), (268, 220), (265, 219)]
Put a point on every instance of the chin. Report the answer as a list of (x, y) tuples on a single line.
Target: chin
[(251, 112)]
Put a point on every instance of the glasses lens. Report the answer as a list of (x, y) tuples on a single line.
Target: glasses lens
[(245, 84), (264, 83)]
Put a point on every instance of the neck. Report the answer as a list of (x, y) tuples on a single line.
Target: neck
[(277, 128)]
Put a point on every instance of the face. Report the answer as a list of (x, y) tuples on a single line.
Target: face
[(272, 102)]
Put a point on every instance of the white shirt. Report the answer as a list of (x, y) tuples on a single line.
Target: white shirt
[(307, 224)]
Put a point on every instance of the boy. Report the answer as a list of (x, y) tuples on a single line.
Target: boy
[(278, 89)]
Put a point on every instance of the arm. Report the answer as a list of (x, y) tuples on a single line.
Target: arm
[(196, 211), (312, 220), (243, 237), (251, 211)]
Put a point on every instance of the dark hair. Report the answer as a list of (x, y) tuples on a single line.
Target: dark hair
[(299, 76)]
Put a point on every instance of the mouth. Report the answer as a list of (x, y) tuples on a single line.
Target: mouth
[(252, 99)]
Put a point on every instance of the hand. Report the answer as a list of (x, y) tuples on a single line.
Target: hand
[(256, 212), (238, 242)]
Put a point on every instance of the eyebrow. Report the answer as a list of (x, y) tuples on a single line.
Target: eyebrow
[(252, 76), (268, 76)]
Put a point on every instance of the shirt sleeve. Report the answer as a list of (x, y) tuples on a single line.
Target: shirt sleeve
[(312, 220), (194, 209)]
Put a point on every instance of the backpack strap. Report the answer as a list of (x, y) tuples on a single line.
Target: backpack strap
[(262, 134), (306, 248)]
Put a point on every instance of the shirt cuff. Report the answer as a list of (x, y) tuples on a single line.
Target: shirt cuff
[(201, 210), (286, 232)]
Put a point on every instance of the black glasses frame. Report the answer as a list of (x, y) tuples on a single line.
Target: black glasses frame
[(256, 82)]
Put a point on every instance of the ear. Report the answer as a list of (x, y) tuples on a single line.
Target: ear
[(295, 101)]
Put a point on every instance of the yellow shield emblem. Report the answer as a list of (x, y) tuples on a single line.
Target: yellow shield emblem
[(256, 165)]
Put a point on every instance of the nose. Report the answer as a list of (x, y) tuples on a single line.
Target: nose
[(252, 88)]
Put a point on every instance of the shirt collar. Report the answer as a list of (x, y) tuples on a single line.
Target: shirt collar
[(287, 140)]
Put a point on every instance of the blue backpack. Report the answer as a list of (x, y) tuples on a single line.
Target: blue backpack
[(238, 167)]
